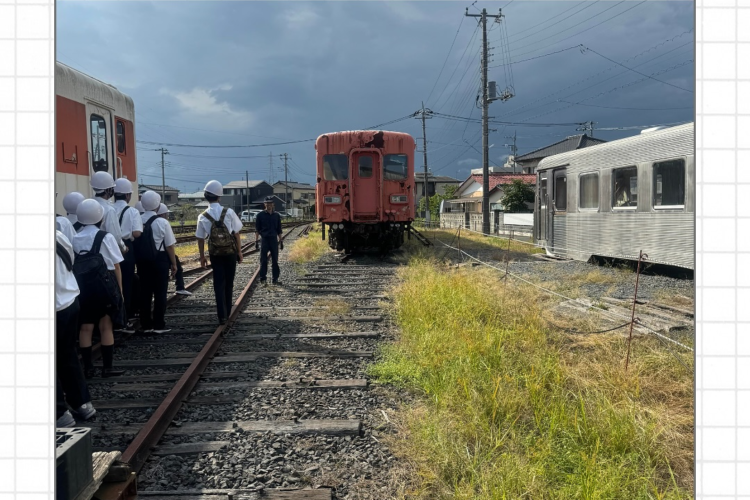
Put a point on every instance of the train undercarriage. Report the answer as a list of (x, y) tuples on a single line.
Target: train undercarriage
[(382, 236)]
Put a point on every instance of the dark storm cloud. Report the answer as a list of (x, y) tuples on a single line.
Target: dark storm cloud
[(258, 72)]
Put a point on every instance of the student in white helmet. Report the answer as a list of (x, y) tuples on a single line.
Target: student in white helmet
[(71, 385), (70, 204), (104, 188), (155, 258), (131, 227), (90, 214), (179, 281), (221, 227), (139, 207)]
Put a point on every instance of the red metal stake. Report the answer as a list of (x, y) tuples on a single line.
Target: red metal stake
[(641, 256)]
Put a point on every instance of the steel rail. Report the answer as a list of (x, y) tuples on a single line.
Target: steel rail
[(147, 438)]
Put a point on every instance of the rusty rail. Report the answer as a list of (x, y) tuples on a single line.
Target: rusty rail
[(152, 431)]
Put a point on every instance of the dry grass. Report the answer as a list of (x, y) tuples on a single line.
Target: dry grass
[(333, 307), (513, 408), (186, 250), (309, 248)]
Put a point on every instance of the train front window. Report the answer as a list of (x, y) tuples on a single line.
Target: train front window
[(335, 167), (589, 196), (120, 137), (365, 167), (625, 187), (669, 184), (98, 143), (395, 167)]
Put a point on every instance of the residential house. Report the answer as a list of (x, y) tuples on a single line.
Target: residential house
[(529, 161), (465, 209), (301, 195), (190, 198), (168, 198), (436, 184), (243, 195)]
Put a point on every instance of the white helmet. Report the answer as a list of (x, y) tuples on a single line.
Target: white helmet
[(214, 187), (89, 212), (71, 201), (139, 207), (123, 186), (162, 209), (101, 181), (150, 201)]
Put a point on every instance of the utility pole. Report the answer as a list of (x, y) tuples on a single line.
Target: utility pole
[(485, 120), (270, 168), (163, 185), (513, 149), (247, 184), (587, 127), (286, 183), (425, 113)]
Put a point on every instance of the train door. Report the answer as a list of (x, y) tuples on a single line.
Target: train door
[(365, 185), (101, 145), (543, 208), (558, 205)]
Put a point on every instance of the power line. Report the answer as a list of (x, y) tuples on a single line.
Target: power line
[(446, 59), (228, 146), (632, 109), (636, 71)]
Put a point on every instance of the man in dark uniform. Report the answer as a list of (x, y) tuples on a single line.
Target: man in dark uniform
[(268, 229)]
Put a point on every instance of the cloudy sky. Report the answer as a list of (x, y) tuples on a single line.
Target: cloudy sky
[(255, 73)]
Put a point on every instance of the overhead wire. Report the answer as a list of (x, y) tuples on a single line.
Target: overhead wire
[(446, 59)]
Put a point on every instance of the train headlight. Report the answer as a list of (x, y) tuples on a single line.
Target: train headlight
[(399, 198), (332, 200)]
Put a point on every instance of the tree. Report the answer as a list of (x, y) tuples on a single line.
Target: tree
[(516, 195)]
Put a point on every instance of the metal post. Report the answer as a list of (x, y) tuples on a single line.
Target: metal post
[(641, 256), (247, 185), (424, 152), (163, 185), (286, 184)]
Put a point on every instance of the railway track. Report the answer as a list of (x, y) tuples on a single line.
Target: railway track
[(187, 234), (275, 404)]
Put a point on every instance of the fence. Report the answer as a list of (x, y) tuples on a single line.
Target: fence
[(520, 224)]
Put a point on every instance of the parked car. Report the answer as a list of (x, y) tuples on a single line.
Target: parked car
[(249, 215)]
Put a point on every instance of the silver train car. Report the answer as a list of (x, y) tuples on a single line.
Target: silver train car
[(614, 199)]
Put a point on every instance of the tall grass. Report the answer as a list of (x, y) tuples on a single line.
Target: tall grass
[(307, 249), (512, 410)]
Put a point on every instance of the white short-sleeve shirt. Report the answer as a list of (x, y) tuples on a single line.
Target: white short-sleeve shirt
[(109, 221), (84, 240), (131, 219), (161, 230), (231, 221), (66, 286), (65, 227)]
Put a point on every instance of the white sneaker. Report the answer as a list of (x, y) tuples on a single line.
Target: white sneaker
[(183, 292), (66, 420), (163, 330), (85, 411)]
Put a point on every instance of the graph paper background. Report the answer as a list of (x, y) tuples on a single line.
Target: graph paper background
[(722, 246)]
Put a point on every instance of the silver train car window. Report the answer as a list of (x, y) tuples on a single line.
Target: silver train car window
[(589, 194), (625, 192), (669, 184)]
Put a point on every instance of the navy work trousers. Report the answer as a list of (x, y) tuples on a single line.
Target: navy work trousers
[(269, 245), (153, 278), (127, 268), (71, 384), (224, 267)]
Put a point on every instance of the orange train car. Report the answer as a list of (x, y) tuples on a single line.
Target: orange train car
[(94, 131), (365, 188)]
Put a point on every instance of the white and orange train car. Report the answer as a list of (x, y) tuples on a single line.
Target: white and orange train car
[(94, 131)]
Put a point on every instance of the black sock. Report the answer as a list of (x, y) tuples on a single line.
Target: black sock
[(108, 353), (86, 358)]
